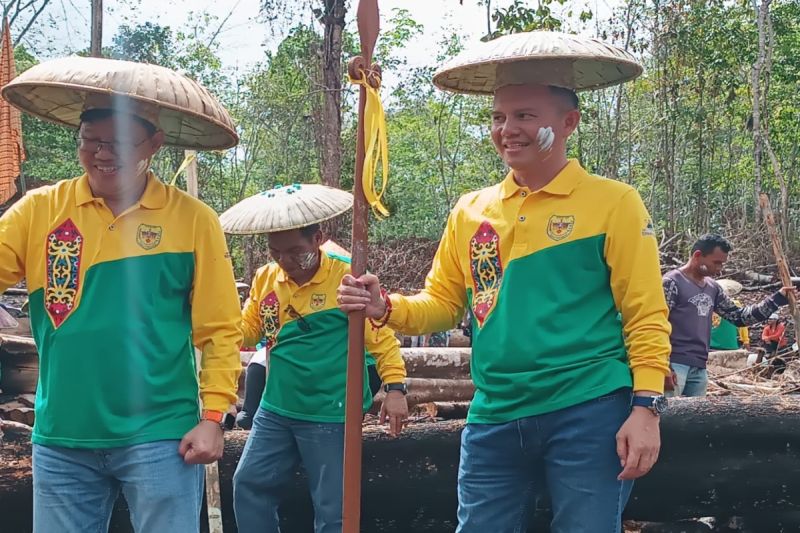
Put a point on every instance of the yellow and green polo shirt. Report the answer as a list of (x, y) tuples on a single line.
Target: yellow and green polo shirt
[(306, 334), (117, 305), (547, 275)]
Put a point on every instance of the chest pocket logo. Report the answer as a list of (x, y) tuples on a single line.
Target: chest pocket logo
[(560, 227), (148, 237), (318, 301)]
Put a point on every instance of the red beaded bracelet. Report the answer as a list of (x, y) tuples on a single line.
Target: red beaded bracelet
[(385, 318)]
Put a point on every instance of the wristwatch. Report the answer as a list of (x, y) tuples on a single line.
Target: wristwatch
[(225, 420), (656, 404), (396, 386)]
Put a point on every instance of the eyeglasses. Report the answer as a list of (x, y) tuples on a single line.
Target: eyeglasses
[(304, 326), (94, 146)]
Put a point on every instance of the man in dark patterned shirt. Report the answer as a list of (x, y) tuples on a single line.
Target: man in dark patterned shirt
[(693, 297)]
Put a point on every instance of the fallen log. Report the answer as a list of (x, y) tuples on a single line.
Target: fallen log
[(15, 344), (733, 359), (719, 456), (444, 363), (444, 410), (17, 412), (422, 390)]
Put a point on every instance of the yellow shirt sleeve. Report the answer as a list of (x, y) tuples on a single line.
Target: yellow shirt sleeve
[(632, 257), (744, 335), (216, 317), (252, 328), (440, 305), (14, 228), (385, 348)]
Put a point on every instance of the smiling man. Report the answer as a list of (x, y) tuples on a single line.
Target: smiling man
[(567, 407), (126, 276)]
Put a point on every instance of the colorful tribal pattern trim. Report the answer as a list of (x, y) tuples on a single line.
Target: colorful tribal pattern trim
[(487, 270), (269, 310), (64, 248)]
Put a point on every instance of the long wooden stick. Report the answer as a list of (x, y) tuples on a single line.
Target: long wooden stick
[(780, 257), (368, 27)]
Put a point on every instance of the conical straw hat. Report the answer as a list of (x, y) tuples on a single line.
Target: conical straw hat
[(537, 57), (731, 287), (285, 208), (61, 89)]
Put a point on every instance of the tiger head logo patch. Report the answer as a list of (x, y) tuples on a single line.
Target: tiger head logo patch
[(559, 227), (318, 301), (148, 237)]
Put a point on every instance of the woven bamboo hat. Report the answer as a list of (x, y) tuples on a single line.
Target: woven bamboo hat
[(285, 208), (537, 57), (61, 89), (730, 287)]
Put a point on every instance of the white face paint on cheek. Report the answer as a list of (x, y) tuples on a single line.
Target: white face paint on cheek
[(306, 261), (545, 138), (141, 166)]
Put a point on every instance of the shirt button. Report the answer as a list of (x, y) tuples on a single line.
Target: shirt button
[(522, 219), (524, 194), (112, 227)]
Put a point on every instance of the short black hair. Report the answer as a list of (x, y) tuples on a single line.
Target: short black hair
[(309, 231), (568, 96), (96, 115), (707, 243)]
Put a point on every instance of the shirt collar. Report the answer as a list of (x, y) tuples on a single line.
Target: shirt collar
[(321, 275), (562, 185), (154, 196)]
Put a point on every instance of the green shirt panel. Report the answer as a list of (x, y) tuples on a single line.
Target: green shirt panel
[(120, 369), (552, 341)]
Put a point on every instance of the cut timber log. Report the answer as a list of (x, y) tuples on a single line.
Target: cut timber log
[(716, 455), (733, 359), (422, 390), (17, 412), (444, 363), (444, 410), (15, 344)]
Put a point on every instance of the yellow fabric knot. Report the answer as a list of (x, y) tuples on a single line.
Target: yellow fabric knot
[(376, 147)]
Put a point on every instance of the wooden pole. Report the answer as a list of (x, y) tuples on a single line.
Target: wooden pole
[(368, 28), (213, 498), (96, 47), (780, 257)]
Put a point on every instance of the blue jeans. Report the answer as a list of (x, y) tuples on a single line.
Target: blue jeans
[(74, 490), (274, 448), (692, 381), (571, 453)]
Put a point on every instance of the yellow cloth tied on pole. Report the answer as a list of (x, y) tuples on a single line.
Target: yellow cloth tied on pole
[(186, 162), (377, 147)]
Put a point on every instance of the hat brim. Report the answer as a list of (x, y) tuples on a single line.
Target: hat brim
[(285, 208), (546, 58), (57, 91)]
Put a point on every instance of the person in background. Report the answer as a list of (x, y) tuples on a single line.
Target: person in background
[(774, 334), (692, 296), (724, 335)]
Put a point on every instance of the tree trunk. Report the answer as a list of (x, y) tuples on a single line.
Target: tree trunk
[(331, 126)]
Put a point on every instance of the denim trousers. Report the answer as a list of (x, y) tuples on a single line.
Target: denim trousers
[(270, 457), (74, 490), (570, 453), (692, 381)]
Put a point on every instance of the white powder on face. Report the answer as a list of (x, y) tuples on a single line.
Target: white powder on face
[(307, 261), (545, 138), (141, 166)]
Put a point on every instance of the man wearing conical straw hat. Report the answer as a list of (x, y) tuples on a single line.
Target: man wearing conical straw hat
[(126, 276), (568, 396), (292, 305)]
